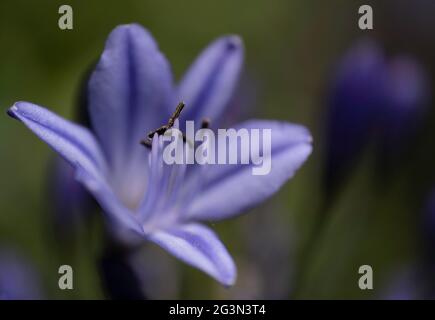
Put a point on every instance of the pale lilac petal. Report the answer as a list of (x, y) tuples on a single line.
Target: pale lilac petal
[(73, 142), (122, 219), (165, 182), (19, 280), (78, 146), (231, 189), (198, 246), (209, 83), (130, 93)]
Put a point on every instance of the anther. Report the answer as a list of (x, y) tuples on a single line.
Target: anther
[(205, 124), (147, 142)]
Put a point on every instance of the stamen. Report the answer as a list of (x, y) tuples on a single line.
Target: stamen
[(147, 142), (176, 114)]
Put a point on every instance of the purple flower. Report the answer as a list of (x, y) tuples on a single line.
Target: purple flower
[(356, 96), (372, 95), (404, 285), (408, 92), (18, 280), (131, 92)]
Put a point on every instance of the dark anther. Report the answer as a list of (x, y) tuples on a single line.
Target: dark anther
[(147, 142), (175, 115), (205, 124)]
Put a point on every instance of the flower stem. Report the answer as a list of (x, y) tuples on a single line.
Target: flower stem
[(119, 279)]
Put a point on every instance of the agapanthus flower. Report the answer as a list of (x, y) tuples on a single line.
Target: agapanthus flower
[(371, 95), (357, 94), (130, 93), (408, 96)]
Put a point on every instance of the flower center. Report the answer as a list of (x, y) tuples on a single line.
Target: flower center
[(147, 142)]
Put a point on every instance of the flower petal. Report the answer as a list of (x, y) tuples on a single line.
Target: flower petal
[(231, 189), (78, 146), (130, 92), (209, 83), (121, 218), (198, 246), (73, 142)]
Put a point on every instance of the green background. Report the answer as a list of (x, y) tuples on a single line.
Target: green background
[(292, 47)]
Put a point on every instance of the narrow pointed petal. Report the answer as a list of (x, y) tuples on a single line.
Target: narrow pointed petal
[(130, 92), (230, 189), (73, 142), (210, 82), (198, 246), (78, 146)]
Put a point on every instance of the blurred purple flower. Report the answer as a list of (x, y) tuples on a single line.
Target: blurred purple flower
[(408, 94), (404, 285), (356, 96), (130, 93), (371, 95), (18, 280), (417, 281)]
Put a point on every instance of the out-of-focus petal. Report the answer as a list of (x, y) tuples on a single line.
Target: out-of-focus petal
[(70, 204), (198, 246), (408, 97), (231, 189), (122, 219), (18, 278), (209, 83), (356, 98)]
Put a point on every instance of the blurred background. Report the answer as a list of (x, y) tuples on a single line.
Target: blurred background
[(365, 196)]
